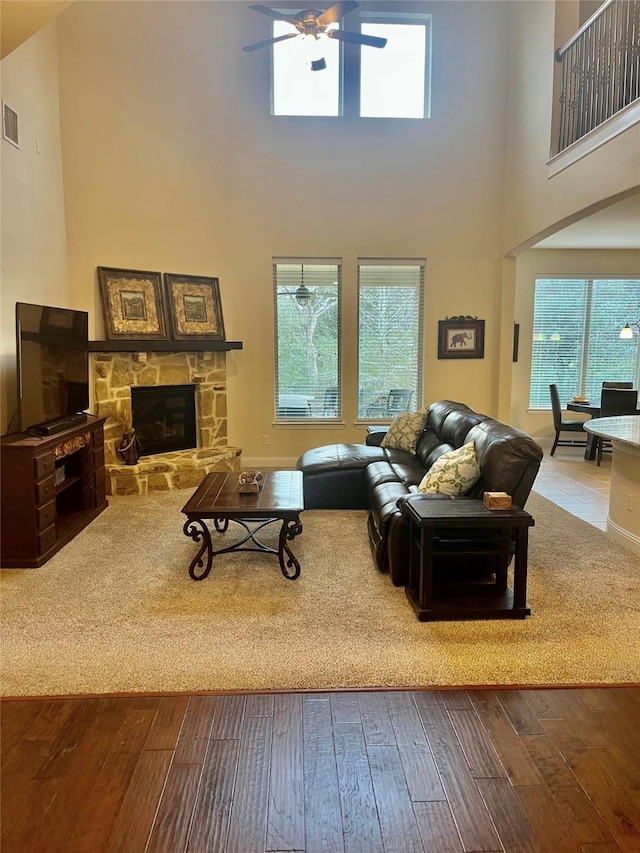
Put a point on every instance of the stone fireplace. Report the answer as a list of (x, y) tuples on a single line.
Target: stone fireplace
[(116, 373)]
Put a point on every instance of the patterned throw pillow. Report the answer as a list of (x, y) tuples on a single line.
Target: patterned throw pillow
[(453, 473), (404, 431)]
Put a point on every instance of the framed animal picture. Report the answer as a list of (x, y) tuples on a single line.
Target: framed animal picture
[(461, 337)]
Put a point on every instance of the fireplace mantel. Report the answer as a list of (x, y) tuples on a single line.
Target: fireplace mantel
[(152, 345)]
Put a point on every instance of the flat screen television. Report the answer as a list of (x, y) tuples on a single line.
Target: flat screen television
[(53, 367)]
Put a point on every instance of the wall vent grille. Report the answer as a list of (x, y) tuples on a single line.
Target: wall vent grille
[(10, 125)]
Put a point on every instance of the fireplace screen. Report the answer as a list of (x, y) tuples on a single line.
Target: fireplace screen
[(164, 417)]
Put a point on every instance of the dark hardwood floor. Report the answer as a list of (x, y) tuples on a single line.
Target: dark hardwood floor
[(476, 770), (441, 771)]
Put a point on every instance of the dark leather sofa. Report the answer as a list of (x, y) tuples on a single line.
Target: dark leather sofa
[(367, 476)]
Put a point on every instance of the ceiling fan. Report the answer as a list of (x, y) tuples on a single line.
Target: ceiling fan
[(313, 23)]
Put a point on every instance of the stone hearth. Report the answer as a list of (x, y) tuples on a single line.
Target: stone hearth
[(115, 373)]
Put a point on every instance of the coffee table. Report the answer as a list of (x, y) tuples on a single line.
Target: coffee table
[(218, 498)]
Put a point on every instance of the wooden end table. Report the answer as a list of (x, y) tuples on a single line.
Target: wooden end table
[(218, 497), (471, 601)]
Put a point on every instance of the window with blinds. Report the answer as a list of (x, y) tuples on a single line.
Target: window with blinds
[(390, 347), (576, 336), (307, 339)]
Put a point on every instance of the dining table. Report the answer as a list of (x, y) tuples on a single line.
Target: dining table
[(592, 408)]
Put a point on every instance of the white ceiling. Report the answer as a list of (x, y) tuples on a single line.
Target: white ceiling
[(613, 227)]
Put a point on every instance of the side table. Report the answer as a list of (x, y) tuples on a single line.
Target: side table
[(428, 521), (375, 434)]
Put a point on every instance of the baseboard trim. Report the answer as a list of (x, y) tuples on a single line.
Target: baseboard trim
[(623, 537), (256, 463)]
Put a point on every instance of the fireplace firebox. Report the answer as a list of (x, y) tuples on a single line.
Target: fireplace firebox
[(164, 417)]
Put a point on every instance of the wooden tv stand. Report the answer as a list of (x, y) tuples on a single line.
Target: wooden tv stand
[(52, 487)]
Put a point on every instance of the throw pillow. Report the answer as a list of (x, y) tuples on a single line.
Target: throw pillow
[(453, 473), (404, 431)]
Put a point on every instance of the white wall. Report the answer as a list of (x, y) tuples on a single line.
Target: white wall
[(539, 263), (33, 265)]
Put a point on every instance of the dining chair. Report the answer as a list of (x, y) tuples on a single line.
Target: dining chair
[(561, 425), (613, 403), (618, 385)]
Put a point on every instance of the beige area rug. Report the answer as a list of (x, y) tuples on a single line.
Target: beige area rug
[(115, 611)]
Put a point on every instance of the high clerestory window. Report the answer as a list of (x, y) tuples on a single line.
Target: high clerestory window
[(576, 336), (389, 82)]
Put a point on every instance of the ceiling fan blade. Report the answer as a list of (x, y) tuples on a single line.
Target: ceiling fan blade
[(337, 11), (273, 14), (267, 42), (356, 38)]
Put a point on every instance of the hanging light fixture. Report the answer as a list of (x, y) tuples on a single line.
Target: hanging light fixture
[(303, 294), (626, 333)]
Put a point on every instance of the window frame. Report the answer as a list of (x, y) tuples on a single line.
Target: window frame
[(421, 263), (311, 421), (350, 70), (588, 332), (410, 19)]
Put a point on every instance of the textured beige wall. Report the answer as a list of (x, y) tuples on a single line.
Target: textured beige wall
[(173, 163), (539, 263), (33, 265)]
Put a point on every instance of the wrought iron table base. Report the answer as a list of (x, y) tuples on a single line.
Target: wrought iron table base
[(197, 529)]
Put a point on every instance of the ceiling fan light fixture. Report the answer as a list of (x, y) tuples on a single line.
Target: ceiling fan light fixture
[(313, 25)]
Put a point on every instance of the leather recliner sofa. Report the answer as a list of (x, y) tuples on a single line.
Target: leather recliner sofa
[(367, 476)]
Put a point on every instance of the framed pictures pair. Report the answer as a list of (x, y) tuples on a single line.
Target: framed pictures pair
[(136, 305)]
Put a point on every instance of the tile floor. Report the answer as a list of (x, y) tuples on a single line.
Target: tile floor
[(580, 487)]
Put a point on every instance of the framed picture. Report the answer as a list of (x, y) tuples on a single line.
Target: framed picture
[(133, 304), (461, 337), (195, 309)]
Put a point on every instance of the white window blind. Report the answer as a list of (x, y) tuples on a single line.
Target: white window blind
[(576, 342), (307, 338), (390, 339)]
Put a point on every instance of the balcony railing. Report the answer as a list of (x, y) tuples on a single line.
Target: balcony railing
[(600, 69)]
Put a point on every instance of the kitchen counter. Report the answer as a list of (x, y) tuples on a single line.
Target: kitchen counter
[(623, 520)]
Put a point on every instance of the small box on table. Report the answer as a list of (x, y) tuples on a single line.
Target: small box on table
[(497, 500)]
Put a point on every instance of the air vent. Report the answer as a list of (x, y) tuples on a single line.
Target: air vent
[(10, 124)]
